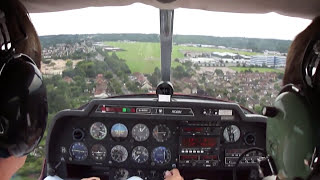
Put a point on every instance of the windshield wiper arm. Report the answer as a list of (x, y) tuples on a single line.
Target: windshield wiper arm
[(166, 29)]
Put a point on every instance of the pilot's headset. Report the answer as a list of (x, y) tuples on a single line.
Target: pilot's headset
[(293, 126), (23, 102)]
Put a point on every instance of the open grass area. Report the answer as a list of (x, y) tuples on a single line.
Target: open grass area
[(242, 69), (145, 56), (140, 56)]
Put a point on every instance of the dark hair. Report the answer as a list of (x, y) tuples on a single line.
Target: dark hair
[(19, 25), (293, 72)]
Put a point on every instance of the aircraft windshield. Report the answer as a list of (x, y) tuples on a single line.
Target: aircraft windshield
[(116, 51)]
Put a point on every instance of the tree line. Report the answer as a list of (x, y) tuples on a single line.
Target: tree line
[(256, 44)]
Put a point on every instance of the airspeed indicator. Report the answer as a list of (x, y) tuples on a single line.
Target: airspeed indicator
[(140, 132), (98, 131)]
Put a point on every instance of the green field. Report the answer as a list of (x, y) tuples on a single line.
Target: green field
[(242, 69), (145, 56), (140, 57)]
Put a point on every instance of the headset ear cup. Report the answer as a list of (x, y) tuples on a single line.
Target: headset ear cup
[(37, 80), (23, 102), (310, 65), (290, 134)]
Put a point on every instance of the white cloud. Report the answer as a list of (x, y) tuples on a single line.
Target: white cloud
[(139, 18)]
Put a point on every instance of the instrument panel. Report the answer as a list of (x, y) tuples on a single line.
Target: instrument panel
[(117, 138)]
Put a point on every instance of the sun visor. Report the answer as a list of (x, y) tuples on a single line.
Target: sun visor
[(304, 9)]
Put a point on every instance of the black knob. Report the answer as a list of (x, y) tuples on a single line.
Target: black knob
[(250, 139), (78, 134), (269, 111)]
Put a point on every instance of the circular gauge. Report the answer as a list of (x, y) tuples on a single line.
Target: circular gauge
[(140, 154), (121, 174), (98, 152), (161, 155), (98, 130), (119, 153), (231, 133), (140, 132), (78, 151), (119, 131), (161, 133)]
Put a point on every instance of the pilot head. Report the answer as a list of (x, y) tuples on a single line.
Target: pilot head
[(293, 126), (23, 104)]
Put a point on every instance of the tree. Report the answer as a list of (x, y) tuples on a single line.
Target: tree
[(179, 72), (187, 64), (108, 75), (276, 87), (219, 72), (280, 75), (133, 87), (69, 64), (196, 66), (258, 109), (155, 77)]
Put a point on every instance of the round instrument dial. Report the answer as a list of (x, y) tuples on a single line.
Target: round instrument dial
[(98, 152), (78, 151), (119, 153), (161, 133), (119, 131), (231, 133), (140, 154), (161, 155), (121, 174), (98, 130), (140, 132)]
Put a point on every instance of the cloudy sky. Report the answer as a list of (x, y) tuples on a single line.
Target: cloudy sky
[(139, 18)]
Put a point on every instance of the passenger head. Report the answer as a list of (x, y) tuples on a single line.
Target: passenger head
[(293, 126), (23, 104), (293, 74)]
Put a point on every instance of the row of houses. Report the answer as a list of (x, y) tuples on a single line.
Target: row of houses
[(64, 49)]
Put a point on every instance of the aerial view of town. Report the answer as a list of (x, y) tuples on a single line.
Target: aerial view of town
[(101, 69), (80, 68)]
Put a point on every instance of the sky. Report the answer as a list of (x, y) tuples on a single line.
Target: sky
[(140, 18)]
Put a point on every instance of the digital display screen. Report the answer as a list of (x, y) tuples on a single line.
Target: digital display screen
[(209, 157), (199, 141), (188, 157), (193, 129)]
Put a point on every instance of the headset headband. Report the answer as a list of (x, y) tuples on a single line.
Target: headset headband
[(4, 35)]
